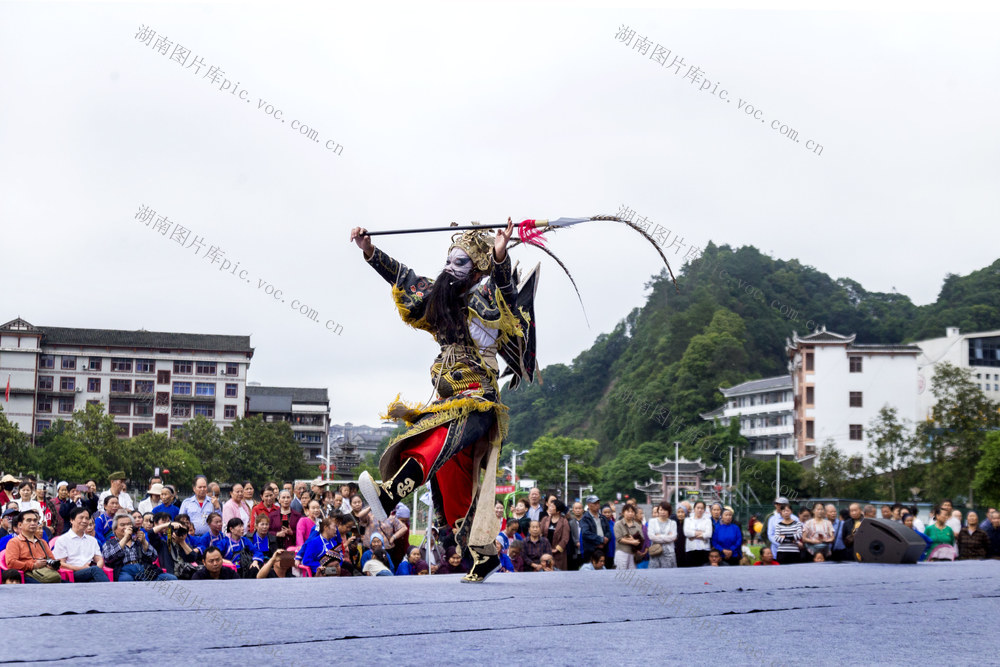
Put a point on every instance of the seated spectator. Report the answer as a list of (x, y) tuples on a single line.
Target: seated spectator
[(548, 564), (103, 523), (505, 564), (535, 546), (168, 540), (940, 532), (818, 557), (168, 502), (727, 538), (411, 564), (512, 531), (789, 535), (30, 555), (213, 537), (766, 557), (817, 533), (377, 553), (7, 527), (10, 577), (453, 561), (78, 551), (129, 554), (714, 559), (596, 562), (308, 525), (280, 565), (261, 538), (973, 543), (238, 550), (284, 521), (516, 554), (401, 536), (311, 553), (213, 567)]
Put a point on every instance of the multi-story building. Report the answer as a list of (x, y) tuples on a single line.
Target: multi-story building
[(977, 352), (147, 380), (307, 410), (766, 415), (691, 480), (363, 440), (839, 386)]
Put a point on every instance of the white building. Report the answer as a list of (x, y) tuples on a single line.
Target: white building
[(147, 380), (839, 386), (766, 415), (976, 352), (307, 411)]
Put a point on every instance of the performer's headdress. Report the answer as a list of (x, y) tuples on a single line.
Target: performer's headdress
[(478, 245)]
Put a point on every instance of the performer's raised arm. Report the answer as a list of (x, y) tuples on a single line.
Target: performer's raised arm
[(408, 288), (501, 271)]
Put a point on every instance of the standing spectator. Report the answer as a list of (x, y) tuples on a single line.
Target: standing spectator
[(267, 503), (850, 527), (117, 481), (609, 513), (284, 520), (59, 524), (594, 529), (80, 552), (199, 506), (535, 546), (236, 507), (308, 525), (575, 548), (940, 532), (662, 532), (716, 512), (555, 528), (955, 522), (297, 491), (213, 567), (26, 499), (498, 509), (838, 551), (680, 545), (360, 515), (151, 500), (992, 531), (215, 495), (74, 499), (817, 533), (401, 538), (698, 531), (887, 512), (628, 539), (30, 555), (519, 515), (129, 554), (168, 502), (789, 536), (248, 497), (918, 525), (90, 499), (727, 538), (772, 521), (869, 511), (8, 484), (973, 543), (41, 496), (535, 508), (752, 529), (392, 530)]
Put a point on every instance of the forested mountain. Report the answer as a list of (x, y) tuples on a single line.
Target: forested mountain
[(727, 325)]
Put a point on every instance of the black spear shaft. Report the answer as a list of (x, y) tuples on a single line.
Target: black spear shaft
[(502, 225)]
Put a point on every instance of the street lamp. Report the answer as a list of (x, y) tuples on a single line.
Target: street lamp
[(326, 459), (513, 470), (566, 479)]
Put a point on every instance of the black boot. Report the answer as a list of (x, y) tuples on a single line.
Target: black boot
[(483, 565), (383, 498)]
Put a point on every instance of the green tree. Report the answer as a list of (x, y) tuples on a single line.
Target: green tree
[(760, 475), (889, 445), (97, 434), (207, 442), (954, 435), (64, 457), (15, 454), (987, 480), (180, 465), (262, 451), (544, 461), (829, 476)]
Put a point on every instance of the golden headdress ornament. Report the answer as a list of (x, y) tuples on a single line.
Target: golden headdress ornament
[(477, 244)]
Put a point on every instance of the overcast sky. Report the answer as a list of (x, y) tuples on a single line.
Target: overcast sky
[(461, 112)]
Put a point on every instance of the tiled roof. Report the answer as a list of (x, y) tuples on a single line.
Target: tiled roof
[(296, 394), (152, 340), (865, 347), (683, 465), (754, 386)]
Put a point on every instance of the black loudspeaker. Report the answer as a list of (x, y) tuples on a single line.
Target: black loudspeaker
[(882, 541)]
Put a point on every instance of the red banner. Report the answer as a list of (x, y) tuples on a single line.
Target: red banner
[(506, 488)]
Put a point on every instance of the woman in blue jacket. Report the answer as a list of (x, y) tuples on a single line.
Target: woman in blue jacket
[(727, 537)]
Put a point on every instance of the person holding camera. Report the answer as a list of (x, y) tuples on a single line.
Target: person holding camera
[(30, 555), (169, 540), (279, 566), (129, 554)]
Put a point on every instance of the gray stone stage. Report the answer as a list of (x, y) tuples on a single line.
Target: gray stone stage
[(803, 614)]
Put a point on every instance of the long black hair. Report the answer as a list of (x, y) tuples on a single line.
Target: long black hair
[(445, 308)]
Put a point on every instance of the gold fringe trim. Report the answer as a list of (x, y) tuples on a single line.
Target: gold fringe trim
[(404, 311), (450, 411)]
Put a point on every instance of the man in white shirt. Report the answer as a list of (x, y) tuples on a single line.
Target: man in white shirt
[(535, 509), (117, 480), (78, 551)]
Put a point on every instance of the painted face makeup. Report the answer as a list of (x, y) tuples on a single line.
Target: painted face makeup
[(459, 263)]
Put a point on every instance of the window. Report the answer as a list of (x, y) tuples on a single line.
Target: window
[(45, 383), (810, 430), (44, 404), (182, 388), (69, 363), (67, 384), (122, 430), (856, 432), (93, 401), (232, 369), (163, 398), (122, 386), (139, 429), (182, 367), (855, 399), (855, 364), (145, 366), (180, 410), (205, 410), (93, 384), (94, 365), (66, 406), (229, 412), (161, 421), (142, 409), (119, 407), (173, 428), (984, 352), (810, 365), (204, 389), (810, 396), (121, 365), (46, 361), (42, 424), (144, 386), (163, 377), (205, 368), (232, 390)]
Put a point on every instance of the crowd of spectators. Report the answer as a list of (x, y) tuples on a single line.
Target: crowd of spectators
[(304, 529)]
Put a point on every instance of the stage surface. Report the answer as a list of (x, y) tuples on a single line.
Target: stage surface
[(816, 614)]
